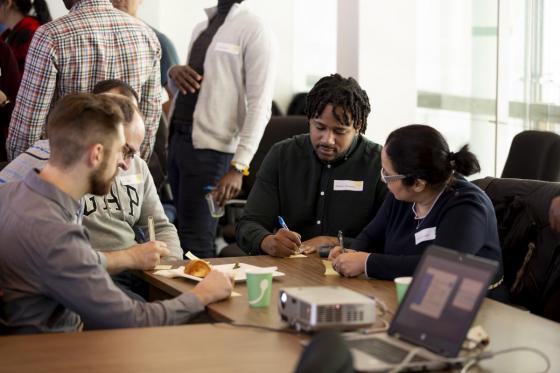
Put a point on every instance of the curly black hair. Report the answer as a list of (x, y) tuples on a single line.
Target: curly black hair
[(341, 92)]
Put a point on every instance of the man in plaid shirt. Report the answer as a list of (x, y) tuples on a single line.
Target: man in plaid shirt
[(70, 54)]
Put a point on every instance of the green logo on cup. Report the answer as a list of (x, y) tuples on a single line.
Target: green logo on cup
[(259, 288)]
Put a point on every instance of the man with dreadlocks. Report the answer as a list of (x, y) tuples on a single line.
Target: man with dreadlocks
[(321, 182)]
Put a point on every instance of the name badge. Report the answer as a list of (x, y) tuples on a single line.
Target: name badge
[(131, 179), (427, 234), (351, 185), (228, 48)]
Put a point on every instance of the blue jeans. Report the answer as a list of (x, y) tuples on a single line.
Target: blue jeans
[(190, 171)]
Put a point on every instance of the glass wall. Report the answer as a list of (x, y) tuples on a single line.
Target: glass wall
[(456, 73), (475, 57)]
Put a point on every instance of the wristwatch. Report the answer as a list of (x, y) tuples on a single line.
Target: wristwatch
[(241, 168)]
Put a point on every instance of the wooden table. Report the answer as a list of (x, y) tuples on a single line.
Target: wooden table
[(198, 348), (298, 272), (506, 325), (224, 348)]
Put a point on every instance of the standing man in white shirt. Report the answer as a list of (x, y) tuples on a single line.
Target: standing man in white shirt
[(222, 106)]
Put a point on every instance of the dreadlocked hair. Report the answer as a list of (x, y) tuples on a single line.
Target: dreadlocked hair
[(344, 93)]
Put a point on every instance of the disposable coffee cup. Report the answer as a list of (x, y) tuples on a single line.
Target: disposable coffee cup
[(401, 285), (259, 288)]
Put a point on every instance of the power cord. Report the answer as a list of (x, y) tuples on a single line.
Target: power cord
[(469, 361), (489, 354), (287, 331), (403, 364)]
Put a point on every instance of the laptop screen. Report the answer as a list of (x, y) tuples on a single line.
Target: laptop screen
[(443, 299)]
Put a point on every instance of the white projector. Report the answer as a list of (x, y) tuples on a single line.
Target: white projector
[(325, 307)]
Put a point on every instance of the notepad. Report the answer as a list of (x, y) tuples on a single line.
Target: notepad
[(329, 270)]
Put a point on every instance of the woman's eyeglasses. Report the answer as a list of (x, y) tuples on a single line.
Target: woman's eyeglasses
[(388, 178)]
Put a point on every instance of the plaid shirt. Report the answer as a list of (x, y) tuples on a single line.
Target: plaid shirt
[(70, 54)]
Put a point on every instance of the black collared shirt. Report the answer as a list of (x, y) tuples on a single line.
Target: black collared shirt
[(315, 198)]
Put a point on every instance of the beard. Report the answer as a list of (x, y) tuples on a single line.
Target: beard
[(98, 185)]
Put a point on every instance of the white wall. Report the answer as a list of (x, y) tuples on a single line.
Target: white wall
[(376, 45)]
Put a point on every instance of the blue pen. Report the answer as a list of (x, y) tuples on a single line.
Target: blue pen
[(282, 223), (285, 226)]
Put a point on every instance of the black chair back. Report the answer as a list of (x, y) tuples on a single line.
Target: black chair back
[(534, 155), (278, 129), (297, 105)]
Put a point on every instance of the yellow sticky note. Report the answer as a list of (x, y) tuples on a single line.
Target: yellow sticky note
[(162, 266), (329, 270), (297, 256)]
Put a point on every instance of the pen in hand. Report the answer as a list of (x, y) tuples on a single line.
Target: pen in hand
[(341, 241), (283, 224)]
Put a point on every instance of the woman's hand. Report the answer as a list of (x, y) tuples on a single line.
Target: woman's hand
[(336, 251), (350, 264)]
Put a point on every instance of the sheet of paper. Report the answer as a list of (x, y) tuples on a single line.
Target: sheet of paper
[(329, 270), (163, 266)]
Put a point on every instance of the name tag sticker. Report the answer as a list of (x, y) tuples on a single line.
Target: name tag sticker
[(427, 234), (131, 179), (228, 48), (351, 185)]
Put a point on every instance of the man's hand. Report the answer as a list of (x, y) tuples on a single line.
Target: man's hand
[(312, 245), (214, 287), (147, 255), (185, 78), (142, 257), (284, 243), (3, 99), (228, 187), (350, 264), (554, 214)]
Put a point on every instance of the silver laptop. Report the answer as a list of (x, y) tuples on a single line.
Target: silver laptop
[(434, 316)]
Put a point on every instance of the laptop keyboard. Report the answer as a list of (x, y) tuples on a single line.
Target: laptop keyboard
[(382, 350)]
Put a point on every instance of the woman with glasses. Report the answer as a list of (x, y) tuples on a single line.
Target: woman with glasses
[(430, 202)]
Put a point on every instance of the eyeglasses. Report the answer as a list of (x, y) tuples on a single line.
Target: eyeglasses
[(128, 152), (388, 178)]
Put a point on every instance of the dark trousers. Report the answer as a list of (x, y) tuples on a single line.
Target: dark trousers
[(133, 286), (190, 172)]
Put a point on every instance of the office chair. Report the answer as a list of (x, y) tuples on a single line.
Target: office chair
[(534, 155), (297, 105), (276, 112), (279, 128)]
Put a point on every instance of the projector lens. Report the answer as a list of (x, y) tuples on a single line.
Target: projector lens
[(283, 299)]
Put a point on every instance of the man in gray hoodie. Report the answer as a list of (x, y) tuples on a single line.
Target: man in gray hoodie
[(115, 221), (52, 280)]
